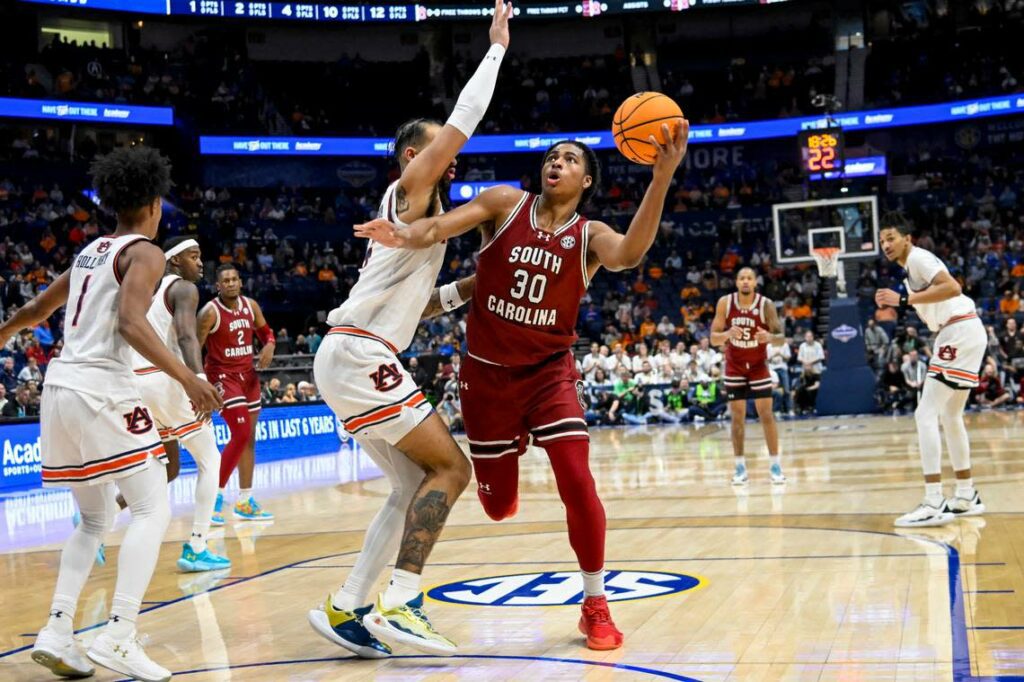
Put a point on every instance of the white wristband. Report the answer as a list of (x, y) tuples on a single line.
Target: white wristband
[(476, 94), (450, 298), (201, 375)]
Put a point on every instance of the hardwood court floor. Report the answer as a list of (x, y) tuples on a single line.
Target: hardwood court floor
[(805, 582)]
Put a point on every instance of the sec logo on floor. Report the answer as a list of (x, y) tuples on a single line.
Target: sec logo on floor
[(561, 589)]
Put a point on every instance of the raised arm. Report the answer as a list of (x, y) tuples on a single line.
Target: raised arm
[(617, 251), (38, 309), (421, 174), (490, 206)]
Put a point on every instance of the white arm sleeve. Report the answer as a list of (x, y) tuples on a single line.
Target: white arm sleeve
[(476, 95)]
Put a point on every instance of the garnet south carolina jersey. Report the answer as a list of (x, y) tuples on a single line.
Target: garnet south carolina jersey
[(229, 344), (161, 317), (393, 288), (95, 356), (746, 351), (528, 289), (922, 266)]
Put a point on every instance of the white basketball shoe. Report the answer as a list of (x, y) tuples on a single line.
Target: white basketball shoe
[(127, 657), (60, 654), (926, 515)]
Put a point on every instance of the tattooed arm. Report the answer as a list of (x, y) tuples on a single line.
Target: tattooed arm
[(434, 308)]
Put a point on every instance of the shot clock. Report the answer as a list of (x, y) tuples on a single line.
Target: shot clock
[(821, 151)]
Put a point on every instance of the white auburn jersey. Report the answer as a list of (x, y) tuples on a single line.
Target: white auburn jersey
[(922, 266), (95, 355), (162, 319), (394, 286)]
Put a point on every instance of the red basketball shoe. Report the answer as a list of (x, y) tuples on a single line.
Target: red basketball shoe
[(596, 623)]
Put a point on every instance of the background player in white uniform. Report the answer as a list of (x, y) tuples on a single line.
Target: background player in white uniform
[(173, 316), (361, 378), (957, 354), (95, 430)]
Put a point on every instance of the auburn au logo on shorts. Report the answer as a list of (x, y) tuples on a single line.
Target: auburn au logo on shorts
[(947, 353), (138, 420), (561, 589), (387, 377)]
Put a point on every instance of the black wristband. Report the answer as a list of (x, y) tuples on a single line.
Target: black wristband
[(904, 301)]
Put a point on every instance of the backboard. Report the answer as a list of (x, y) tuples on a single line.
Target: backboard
[(849, 224)]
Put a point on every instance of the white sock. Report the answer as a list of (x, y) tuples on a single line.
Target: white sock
[(404, 587), (965, 487), (62, 615), (203, 448), (593, 583), (119, 627), (741, 462), (933, 494), (773, 460), (244, 494), (197, 543), (220, 491)]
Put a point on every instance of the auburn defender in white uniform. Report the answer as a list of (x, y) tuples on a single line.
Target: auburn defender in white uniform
[(358, 371), (95, 430), (173, 316), (957, 354)]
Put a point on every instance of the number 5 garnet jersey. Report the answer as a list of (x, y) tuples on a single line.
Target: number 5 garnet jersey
[(528, 289)]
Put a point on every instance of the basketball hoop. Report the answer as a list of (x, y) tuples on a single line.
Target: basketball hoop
[(827, 259)]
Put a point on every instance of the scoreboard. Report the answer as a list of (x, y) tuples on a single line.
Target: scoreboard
[(821, 151), (356, 12)]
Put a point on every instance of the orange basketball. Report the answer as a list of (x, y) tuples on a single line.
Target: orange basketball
[(639, 117)]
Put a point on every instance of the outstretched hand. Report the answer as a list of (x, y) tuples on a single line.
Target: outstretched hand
[(499, 23), (382, 232), (670, 155)]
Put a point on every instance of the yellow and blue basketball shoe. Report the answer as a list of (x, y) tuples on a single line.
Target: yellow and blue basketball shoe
[(218, 511), (250, 510), (408, 624), (193, 562), (346, 629)]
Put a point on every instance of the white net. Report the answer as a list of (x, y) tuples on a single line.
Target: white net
[(827, 260)]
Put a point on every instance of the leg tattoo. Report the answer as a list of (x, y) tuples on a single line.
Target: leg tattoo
[(423, 524)]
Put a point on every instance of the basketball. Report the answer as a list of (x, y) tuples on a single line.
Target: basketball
[(639, 117)]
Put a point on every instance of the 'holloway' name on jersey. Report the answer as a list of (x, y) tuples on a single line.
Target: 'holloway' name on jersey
[(528, 289)]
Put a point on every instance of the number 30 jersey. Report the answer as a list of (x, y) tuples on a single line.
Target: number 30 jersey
[(528, 289)]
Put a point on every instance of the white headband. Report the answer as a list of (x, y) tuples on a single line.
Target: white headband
[(183, 246)]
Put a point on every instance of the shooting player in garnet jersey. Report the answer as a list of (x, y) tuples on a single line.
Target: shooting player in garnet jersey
[(227, 325), (745, 323), (519, 380)]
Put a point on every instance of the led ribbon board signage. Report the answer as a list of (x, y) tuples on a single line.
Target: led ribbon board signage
[(95, 112), (875, 119)]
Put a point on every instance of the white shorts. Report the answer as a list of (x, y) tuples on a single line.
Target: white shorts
[(958, 352), (360, 377), (87, 439), (169, 405)]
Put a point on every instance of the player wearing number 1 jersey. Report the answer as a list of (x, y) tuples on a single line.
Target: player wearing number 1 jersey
[(95, 431), (228, 326), (745, 323), (519, 381)]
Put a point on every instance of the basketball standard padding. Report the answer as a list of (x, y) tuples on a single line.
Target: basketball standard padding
[(641, 116)]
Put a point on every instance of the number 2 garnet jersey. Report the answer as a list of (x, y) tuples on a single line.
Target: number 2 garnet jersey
[(745, 352), (229, 344), (528, 289)]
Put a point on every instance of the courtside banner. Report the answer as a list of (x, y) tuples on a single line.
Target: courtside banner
[(947, 112), (282, 433), (96, 112)]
